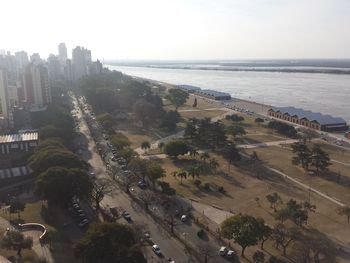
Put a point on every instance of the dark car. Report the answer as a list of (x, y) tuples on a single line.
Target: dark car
[(142, 184)]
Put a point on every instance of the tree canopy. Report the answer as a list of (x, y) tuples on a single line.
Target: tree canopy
[(58, 185), (109, 243), (177, 97), (244, 229), (176, 148)]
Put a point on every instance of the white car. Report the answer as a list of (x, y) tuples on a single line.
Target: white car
[(230, 254), (156, 250), (223, 251), (183, 218)]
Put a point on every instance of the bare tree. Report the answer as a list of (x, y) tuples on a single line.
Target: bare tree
[(99, 190), (283, 236)]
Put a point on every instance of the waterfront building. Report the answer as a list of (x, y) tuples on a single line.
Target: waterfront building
[(314, 120)]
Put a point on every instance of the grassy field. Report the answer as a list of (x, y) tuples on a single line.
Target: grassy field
[(280, 158), (137, 137), (247, 194)]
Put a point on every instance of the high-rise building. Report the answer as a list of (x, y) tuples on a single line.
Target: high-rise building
[(37, 91), (4, 100), (21, 59), (35, 58), (62, 52), (55, 68), (81, 61)]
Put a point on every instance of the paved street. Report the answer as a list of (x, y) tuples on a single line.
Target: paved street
[(169, 246)]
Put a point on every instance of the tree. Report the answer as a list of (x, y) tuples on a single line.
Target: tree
[(274, 199), (40, 161), (177, 97), (283, 236), (154, 172), (282, 214), (128, 154), (259, 120), (144, 112), (99, 190), (319, 159), (139, 167), (109, 243), (303, 155), (265, 232), (244, 229), (234, 117), (161, 145), (166, 189), (58, 185), (175, 148), (204, 156), (258, 257), (235, 130), (214, 164), (283, 128), (16, 240), (145, 145), (182, 174), (195, 103), (169, 120), (16, 206), (191, 129), (193, 171), (345, 210), (106, 120), (231, 153), (120, 141)]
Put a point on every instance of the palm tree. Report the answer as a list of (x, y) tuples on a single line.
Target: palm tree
[(182, 174), (193, 171)]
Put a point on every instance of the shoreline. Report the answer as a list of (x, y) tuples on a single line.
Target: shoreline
[(335, 71)]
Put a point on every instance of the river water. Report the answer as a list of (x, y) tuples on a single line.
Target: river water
[(325, 93)]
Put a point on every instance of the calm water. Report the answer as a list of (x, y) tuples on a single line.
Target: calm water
[(326, 93)]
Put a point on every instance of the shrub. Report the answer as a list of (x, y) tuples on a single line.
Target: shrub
[(221, 189), (197, 182), (207, 186)]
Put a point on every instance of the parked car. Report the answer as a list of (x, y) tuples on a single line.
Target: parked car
[(142, 184), (200, 233), (184, 218), (230, 254), (156, 250), (223, 251), (126, 215)]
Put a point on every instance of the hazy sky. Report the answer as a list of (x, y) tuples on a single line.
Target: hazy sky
[(179, 29)]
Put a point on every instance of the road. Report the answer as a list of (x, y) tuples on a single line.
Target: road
[(169, 246)]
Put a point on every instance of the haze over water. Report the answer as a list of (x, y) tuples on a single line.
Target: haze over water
[(325, 93)]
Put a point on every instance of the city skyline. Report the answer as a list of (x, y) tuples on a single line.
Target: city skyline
[(181, 30)]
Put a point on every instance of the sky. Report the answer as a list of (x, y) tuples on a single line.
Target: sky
[(179, 29)]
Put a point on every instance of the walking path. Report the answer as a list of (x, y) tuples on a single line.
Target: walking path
[(266, 144), (41, 250)]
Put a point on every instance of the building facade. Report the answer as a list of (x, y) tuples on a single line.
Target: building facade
[(20, 142), (309, 119)]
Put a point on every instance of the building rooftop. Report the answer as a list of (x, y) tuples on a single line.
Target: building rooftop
[(189, 87), (19, 137), (312, 116), (214, 92)]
